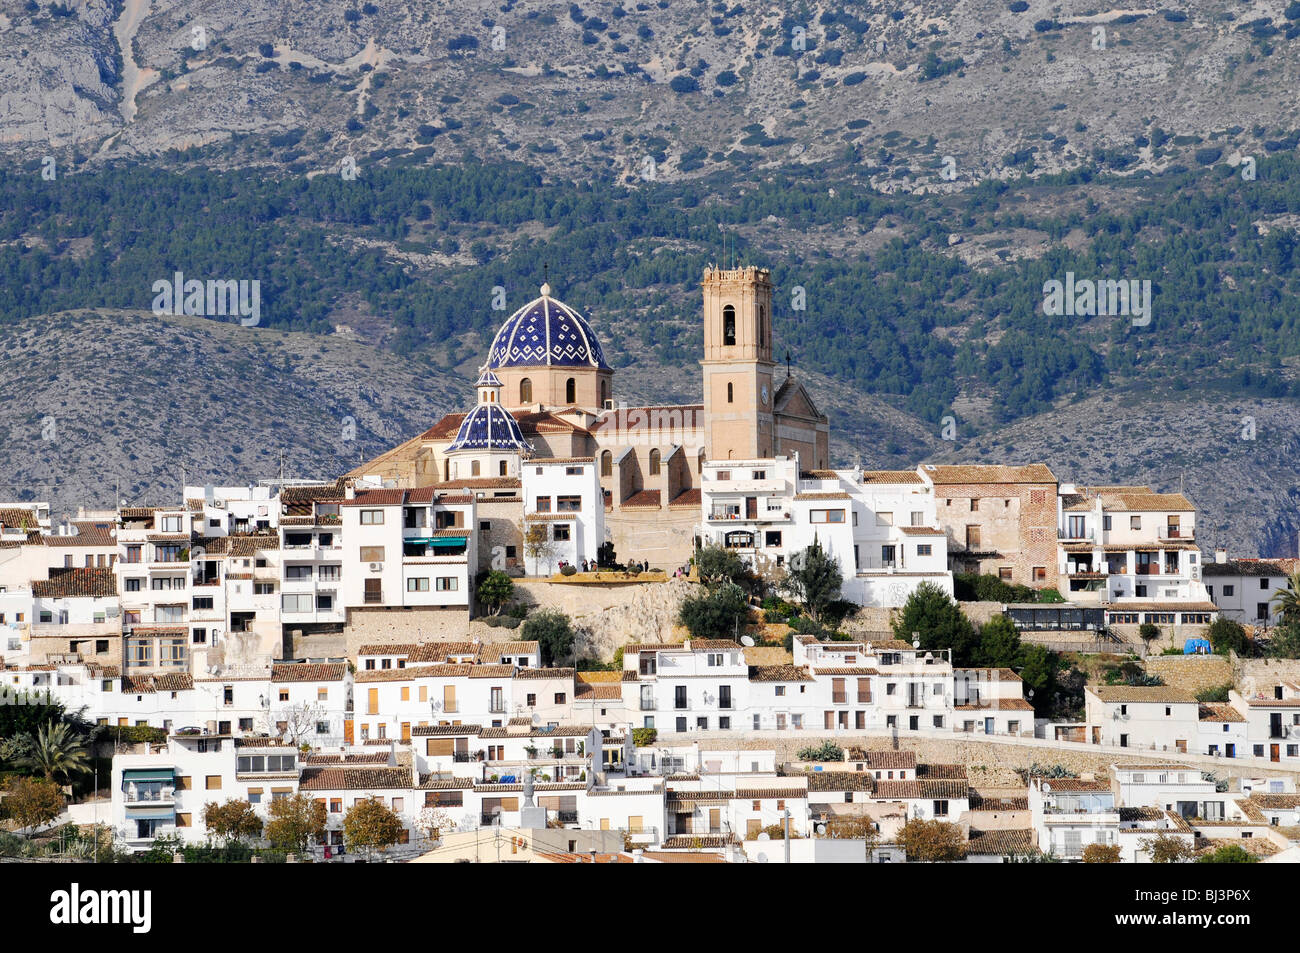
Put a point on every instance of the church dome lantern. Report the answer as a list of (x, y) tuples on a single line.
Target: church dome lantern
[(489, 426)]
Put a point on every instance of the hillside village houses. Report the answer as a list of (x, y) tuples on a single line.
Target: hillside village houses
[(221, 618)]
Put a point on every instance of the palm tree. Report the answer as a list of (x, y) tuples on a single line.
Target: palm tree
[(1288, 599), (54, 750)]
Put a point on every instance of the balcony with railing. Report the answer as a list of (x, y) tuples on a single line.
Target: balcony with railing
[(136, 794)]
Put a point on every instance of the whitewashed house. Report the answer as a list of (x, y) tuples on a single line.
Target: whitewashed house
[(564, 505), (1152, 717), (164, 792), (880, 526), (1243, 588)]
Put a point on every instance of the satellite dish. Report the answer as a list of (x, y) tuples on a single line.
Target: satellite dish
[(916, 643), (1047, 788), (821, 828), (747, 641), (763, 835), (537, 719)]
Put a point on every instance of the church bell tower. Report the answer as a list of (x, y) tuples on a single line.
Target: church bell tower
[(737, 364)]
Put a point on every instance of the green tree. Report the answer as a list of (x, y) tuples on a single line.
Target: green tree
[(538, 545), (232, 821), (31, 802), (295, 822), (717, 565), (999, 644), (1227, 636), (1038, 668), (552, 632), (1167, 849), (1214, 693), (1287, 599), (1229, 854), (826, 751), (25, 713), (644, 737), (931, 613), (718, 613), (55, 751), (495, 590), (1148, 632), (931, 842), (1101, 854), (814, 579), (371, 826), (1285, 641)]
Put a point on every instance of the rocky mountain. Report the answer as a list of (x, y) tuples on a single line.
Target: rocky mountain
[(124, 405), (917, 169), (668, 88)]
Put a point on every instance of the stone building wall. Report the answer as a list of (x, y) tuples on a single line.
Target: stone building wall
[(1016, 520)]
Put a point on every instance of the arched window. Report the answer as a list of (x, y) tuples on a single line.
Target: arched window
[(525, 391), (728, 325), (604, 392), (699, 462), (762, 326), (606, 464), (731, 392), (570, 391), (501, 468), (446, 470), (654, 462), (473, 468)]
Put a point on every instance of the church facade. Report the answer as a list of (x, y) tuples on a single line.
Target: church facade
[(546, 393)]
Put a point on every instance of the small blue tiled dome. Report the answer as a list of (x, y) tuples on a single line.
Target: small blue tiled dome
[(546, 332), (489, 427)]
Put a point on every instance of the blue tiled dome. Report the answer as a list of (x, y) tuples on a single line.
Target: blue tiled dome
[(489, 427), (548, 332)]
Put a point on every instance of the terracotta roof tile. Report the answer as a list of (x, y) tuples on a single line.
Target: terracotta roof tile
[(646, 499), (983, 473), (779, 673), (1013, 841), (355, 779), (309, 672), (821, 781), (1141, 693), (887, 760), (68, 583)]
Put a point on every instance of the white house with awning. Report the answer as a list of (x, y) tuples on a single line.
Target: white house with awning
[(408, 548), (164, 793)]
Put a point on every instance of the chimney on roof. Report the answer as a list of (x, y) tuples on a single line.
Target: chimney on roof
[(1220, 556)]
